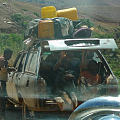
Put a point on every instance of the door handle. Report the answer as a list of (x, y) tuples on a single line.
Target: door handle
[(27, 83), (19, 76)]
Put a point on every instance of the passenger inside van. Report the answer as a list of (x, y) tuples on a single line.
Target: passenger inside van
[(91, 73), (59, 75), (48, 60), (67, 70), (69, 65)]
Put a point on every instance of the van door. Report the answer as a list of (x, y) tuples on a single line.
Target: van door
[(12, 84), (27, 81)]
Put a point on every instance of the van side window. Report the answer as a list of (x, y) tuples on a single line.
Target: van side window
[(31, 63), (96, 57), (17, 61), (22, 62), (29, 57), (91, 55)]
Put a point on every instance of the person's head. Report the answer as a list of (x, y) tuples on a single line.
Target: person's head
[(1, 62), (7, 54), (89, 54), (93, 67), (67, 57)]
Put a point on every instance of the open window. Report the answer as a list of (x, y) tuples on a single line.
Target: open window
[(31, 64), (19, 62)]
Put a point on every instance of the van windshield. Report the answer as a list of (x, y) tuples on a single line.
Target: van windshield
[(72, 76)]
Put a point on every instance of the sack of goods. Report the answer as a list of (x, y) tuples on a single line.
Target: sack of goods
[(83, 32), (32, 29)]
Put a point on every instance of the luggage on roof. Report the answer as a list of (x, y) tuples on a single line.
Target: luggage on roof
[(46, 29), (50, 28), (63, 27), (48, 12), (70, 13), (32, 29), (83, 32), (55, 28)]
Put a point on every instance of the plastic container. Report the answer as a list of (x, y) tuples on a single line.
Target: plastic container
[(70, 13), (46, 29), (48, 12)]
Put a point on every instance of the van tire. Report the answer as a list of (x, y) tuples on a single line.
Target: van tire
[(23, 111), (26, 113)]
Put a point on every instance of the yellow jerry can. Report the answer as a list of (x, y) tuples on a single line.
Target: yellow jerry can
[(70, 13), (46, 29), (48, 12)]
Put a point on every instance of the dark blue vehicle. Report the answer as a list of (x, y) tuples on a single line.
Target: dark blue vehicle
[(100, 108)]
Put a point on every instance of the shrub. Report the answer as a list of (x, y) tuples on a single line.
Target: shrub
[(12, 41), (20, 19), (35, 13)]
